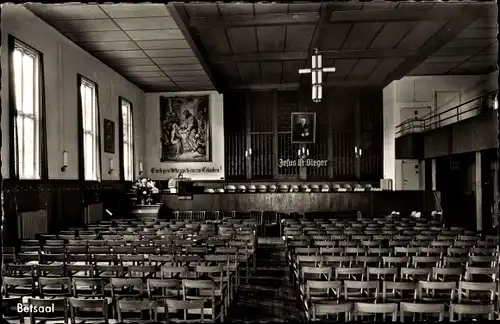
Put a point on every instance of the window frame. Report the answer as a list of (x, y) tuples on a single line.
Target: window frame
[(39, 116), (121, 101), (81, 132)]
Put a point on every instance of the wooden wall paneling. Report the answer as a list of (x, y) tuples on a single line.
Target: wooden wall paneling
[(369, 203), (357, 137), (248, 144), (275, 156), (331, 160)]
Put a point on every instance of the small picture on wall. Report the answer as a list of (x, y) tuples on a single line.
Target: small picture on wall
[(303, 127), (109, 136)]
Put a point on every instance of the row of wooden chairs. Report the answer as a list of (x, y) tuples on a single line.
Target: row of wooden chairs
[(357, 310)]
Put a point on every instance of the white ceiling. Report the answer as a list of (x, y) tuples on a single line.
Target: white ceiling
[(140, 41)]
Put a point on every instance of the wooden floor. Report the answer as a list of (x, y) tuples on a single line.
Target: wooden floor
[(269, 295)]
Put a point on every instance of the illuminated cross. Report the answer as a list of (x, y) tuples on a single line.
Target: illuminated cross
[(316, 71)]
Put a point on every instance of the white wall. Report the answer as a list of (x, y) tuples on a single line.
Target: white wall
[(439, 93), (153, 137), (63, 60), (418, 94)]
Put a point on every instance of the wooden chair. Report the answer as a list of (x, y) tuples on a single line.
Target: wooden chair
[(436, 291), (221, 285), (161, 289), (10, 311), (398, 291), (322, 311), (55, 309), (415, 274), (79, 270), (185, 311), (363, 309), (54, 287), (349, 273), (88, 287), (129, 288), (174, 272), (420, 310), (130, 307), (448, 274), (475, 310), (385, 274), (361, 290), (478, 274), (205, 290), (83, 310), (477, 292)]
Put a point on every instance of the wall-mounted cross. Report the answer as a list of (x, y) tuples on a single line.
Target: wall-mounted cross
[(317, 71)]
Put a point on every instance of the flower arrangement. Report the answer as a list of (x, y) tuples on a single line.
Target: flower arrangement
[(144, 188)]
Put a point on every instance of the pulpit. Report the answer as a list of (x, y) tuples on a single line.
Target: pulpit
[(145, 212)]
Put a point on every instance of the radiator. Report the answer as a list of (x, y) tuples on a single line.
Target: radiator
[(31, 223), (93, 213)]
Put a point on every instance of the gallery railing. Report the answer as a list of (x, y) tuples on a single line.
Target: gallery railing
[(468, 109)]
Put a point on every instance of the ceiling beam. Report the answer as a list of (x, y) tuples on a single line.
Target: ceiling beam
[(250, 20), (443, 36), (295, 86), (438, 12), (327, 54), (180, 17)]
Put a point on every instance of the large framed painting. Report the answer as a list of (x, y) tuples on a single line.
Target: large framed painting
[(109, 136), (303, 127), (185, 129)]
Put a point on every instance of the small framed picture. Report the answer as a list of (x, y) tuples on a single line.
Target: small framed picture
[(303, 127), (109, 136)]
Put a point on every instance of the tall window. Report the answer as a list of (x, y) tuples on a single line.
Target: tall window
[(27, 122), (127, 139), (90, 127)]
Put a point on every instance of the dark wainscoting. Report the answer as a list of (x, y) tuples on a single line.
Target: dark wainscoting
[(369, 203), (64, 201)]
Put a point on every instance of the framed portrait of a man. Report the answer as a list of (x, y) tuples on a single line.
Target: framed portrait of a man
[(303, 127)]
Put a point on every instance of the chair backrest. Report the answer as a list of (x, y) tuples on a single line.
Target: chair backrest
[(381, 273), (327, 309), (136, 306), (465, 309), (465, 287), (398, 286), (363, 286), (63, 282), (167, 287), (53, 304), (96, 286), (319, 272), (428, 285), (184, 306), (415, 308), (349, 273), (369, 308), (11, 283), (84, 303)]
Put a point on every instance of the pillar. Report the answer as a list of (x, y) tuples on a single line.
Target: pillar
[(433, 174), (389, 132), (478, 192)]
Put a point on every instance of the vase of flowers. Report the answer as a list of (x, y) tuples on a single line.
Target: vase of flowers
[(144, 188)]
